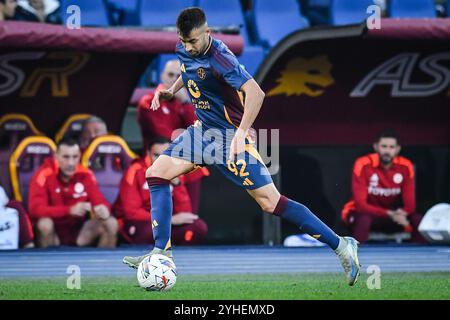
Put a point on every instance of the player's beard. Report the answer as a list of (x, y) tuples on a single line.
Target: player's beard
[(386, 159)]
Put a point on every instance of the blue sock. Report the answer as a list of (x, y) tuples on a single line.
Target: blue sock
[(306, 221), (161, 211)]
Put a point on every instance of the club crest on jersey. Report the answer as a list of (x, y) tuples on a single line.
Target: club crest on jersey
[(79, 187), (201, 73), (398, 178), (165, 110), (374, 180), (193, 89), (79, 190)]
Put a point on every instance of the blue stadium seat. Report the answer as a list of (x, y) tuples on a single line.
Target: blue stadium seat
[(317, 11), (125, 12), (411, 9), (251, 58), (274, 20), (161, 13), (93, 12), (223, 14), (343, 12)]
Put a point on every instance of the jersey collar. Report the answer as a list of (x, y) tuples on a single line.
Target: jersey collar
[(208, 47)]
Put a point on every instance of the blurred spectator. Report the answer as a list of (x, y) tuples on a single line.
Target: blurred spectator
[(38, 11), (25, 229), (7, 9), (383, 189), (62, 196), (133, 204), (174, 114), (93, 127)]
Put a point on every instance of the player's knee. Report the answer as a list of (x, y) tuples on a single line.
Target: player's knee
[(267, 204), (155, 172), (82, 241), (111, 226), (45, 226)]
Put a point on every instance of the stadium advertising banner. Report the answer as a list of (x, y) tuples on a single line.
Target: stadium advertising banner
[(49, 72), (342, 86), (61, 83)]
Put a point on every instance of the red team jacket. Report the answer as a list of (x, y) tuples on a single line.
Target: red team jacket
[(376, 189), (171, 115), (134, 198), (50, 197)]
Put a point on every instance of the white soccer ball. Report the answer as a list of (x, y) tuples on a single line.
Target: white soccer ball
[(157, 273)]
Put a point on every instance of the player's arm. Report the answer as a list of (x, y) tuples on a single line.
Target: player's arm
[(166, 94), (409, 193), (254, 98), (39, 203)]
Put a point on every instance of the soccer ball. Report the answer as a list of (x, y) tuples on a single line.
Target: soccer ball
[(157, 273)]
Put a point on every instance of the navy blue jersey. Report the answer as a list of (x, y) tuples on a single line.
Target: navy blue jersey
[(213, 80)]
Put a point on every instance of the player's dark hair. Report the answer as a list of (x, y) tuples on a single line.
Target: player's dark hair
[(388, 133), (190, 18), (67, 141), (157, 140)]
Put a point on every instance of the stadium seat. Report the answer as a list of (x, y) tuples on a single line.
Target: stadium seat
[(72, 127), (344, 12), (124, 12), (108, 157), (25, 160), (318, 11), (411, 9), (228, 15), (93, 12), (273, 20), (161, 13), (225, 15), (251, 58), (13, 128)]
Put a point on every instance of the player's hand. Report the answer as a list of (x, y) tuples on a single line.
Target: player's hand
[(80, 209), (101, 211), (237, 145), (183, 218), (400, 219), (402, 212), (160, 94)]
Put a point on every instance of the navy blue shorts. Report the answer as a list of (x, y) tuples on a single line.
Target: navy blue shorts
[(210, 147)]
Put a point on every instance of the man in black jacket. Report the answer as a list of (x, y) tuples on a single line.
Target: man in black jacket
[(38, 11)]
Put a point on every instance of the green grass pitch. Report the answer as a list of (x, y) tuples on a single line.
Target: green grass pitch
[(407, 286)]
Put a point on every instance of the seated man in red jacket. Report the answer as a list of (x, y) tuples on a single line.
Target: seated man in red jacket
[(133, 205), (67, 205), (383, 190)]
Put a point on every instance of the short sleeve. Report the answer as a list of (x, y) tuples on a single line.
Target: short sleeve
[(227, 65)]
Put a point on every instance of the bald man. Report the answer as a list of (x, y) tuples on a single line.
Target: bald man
[(174, 114)]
